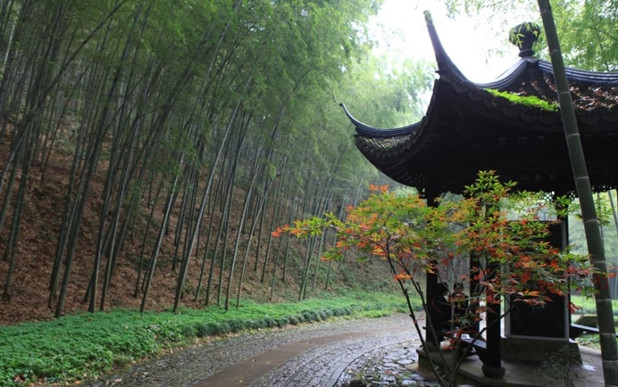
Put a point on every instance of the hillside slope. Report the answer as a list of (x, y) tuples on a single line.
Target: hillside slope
[(28, 291)]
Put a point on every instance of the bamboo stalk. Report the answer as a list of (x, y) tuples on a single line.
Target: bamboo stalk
[(594, 240)]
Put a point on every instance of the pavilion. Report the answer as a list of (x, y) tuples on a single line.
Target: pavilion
[(469, 127)]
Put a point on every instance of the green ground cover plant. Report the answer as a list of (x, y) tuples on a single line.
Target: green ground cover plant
[(527, 100), (84, 346)]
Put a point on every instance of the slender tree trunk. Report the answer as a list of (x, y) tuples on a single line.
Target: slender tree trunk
[(614, 283), (613, 207), (155, 251), (68, 217), (236, 248), (145, 240), (257, 215), (9, 253), (196, 231), (9, 191), (258, 246), (276, 206), (310, 246), (607, 330), (241, 225), (186, 198), (207, 192), (275, 264), (225, 225)]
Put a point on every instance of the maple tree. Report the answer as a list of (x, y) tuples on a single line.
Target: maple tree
[(501, 228)]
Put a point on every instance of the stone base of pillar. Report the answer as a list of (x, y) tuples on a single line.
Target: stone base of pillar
[(493, 372)]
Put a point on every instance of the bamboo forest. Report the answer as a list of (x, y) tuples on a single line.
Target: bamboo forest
[(170, 138), (151, 149)]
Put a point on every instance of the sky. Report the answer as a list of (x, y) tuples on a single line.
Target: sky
[(470, 42)]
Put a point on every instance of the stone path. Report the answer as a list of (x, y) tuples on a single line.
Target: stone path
[(330, 353), (337, 362)]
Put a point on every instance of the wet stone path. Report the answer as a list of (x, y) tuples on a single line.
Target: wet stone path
[(330, 353)]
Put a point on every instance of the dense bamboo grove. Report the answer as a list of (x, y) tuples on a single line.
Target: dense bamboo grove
[(203, 123)]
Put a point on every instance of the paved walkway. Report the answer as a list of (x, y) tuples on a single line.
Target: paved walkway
[(330, 353), (324, 354)]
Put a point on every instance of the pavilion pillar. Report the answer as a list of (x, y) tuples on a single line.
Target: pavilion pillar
[(476, 289), (431, 282), (492, 363)]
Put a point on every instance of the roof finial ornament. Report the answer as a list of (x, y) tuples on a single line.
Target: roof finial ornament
[(524, 36)]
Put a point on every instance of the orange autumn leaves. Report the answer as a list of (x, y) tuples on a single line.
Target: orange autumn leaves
[(378, 188), (414, 237)]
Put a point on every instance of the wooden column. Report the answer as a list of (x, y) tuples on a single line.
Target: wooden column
[(476, 289), (492, 364), (431, 280)]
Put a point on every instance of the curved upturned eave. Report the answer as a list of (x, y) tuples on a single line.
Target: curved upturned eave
[(400, 153), (374, 132), (591, 78), (445, 64), (507, 79), (582, 77), (510, 76)]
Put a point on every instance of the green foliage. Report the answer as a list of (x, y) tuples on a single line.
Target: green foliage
[(396, 89), (85, 346), (587, 33), (586, 28), (514, 261), (526, 100), (415, 238)]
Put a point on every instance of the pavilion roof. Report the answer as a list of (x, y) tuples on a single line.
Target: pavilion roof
[(467, 128)]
